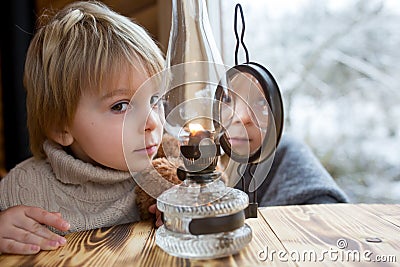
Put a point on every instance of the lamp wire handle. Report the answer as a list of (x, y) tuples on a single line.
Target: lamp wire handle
[(240, 41)]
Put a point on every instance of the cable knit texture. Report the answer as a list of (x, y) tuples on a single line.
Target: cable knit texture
[(87, 196)]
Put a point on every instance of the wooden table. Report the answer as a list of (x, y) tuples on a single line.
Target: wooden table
[(334, 234)]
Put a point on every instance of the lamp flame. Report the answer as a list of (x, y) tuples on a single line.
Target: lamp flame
[(195, 127)]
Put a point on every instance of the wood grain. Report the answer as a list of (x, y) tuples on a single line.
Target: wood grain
[(262, 236), (319, 227), (390, 213), (114, 246), (284, 230)]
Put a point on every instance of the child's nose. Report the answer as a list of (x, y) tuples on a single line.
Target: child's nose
[(152, 121), (242, 113)]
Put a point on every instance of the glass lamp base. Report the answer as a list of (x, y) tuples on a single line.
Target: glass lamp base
[(203, 220), (207, 246)]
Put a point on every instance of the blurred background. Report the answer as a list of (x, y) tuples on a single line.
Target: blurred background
[(336, 62)]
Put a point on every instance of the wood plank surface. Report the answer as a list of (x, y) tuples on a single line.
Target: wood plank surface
[(390, 213), (280, 236), (115, 246), (262, 236), (340, 229)]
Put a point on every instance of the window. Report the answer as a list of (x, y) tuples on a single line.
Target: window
[(337, 64)]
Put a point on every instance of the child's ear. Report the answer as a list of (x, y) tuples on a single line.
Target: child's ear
[(63, 138)]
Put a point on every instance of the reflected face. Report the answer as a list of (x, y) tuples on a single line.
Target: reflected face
[(248, 128), (97, 128)]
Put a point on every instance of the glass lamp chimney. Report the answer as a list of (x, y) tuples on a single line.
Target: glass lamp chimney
[(202, 217)]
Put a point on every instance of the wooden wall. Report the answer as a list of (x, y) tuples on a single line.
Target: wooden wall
[(143, 12)]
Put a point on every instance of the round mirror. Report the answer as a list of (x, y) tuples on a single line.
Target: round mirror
[(257, 124)]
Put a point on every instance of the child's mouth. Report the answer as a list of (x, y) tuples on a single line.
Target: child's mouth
[(149, 150), (238, 140)]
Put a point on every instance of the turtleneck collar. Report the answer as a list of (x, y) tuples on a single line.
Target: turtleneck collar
[(70, 170)]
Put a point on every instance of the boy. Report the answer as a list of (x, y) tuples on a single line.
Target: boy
[(81, 71)]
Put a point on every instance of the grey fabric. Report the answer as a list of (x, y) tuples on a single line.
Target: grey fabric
[(296, 177)]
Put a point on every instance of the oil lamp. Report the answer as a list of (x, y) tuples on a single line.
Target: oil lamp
[(201, 105), (203, 218)]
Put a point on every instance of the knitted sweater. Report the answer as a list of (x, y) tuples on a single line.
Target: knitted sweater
[(87, 196)]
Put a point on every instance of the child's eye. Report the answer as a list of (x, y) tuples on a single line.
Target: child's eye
[(120, 107), (261, 102), (154, 99), (226, 98)]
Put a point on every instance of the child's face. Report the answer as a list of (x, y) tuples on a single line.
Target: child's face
[(98, 124), (248, 128)]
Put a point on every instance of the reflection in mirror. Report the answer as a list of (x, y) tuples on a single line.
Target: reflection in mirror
[(249, 126), (252, 136)]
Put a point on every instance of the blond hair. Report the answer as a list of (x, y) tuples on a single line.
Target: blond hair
[(80, 46)]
